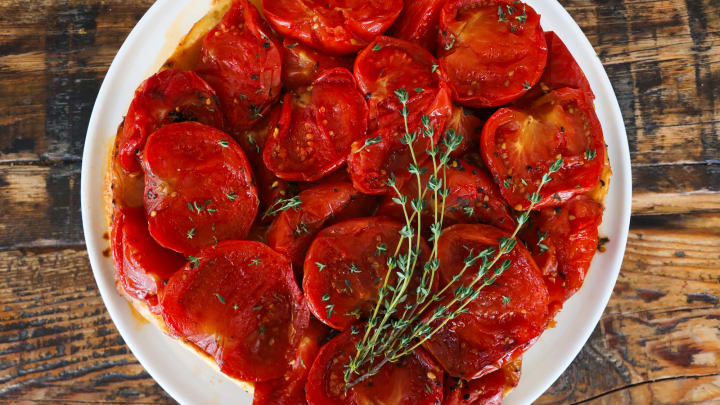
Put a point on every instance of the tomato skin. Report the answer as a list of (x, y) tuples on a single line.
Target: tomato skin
[(469, 126), (520, 145), (316, 130), (486, 390), (292, 230), (335, 27), (416, 379), (141, 265), (493, 332), (490, 62), (165, 97), (243, 65), (197, 191), (239, 304), (302, 64), (418, 23)]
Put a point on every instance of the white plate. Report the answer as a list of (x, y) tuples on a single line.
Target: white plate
[(186, 377)]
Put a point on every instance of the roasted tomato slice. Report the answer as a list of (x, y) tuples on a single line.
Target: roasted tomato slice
[(292, 230), (418, 23), (473, 197), (503, 321), (317, 128), (563, 241), (487, 390), (198, 187), (469, 126), (346, 265), (520, 145), (302, 64), (164, 98), (332, 26), (414, 380), (493, 51), (242, 61), (239, 303), (141, 265)]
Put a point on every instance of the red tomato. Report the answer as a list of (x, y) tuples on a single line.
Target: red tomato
[(316, 129), (503, 321), (302, 64), (473, 197), (166, 97), (413, 380), (569, 236), (332, 26), (520, 145), (141, 265), (487, 390), (469, 126), (242, 61), (238, 302), (493, 51), (292, 230), (418, 23), (198, 187), (346, 265)]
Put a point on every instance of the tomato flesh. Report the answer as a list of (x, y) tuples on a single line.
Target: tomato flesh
[(468, 126), (418, 23), (198, 187), (238, 302), (302, 64)]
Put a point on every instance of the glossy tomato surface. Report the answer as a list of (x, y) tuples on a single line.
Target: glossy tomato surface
[(332, 26), (486, 390), (414, 380), (317, 128), (242, 61), (506, 317), (418, 22), (303, 64), (164, 98), (239, 303), (493, 51), (519, 146), (346, 265), (198, 187), (468, 126)]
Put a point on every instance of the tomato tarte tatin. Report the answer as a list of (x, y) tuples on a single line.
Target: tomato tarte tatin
[(360, 202)]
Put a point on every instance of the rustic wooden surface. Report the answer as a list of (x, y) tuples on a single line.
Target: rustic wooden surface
[(658, 342)]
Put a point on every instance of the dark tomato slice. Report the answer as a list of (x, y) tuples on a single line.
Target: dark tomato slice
[(127, 188), (198, 187), (239, 303), (414, 380), (317, 128), (469, 126), (473, 197), (487, 390), (418, 23), (493, 51), (141, 264), (302, 64), (292, 230), (346, 265), (243, 62), (503, 321), (563, 241), (332, 26), (520, 145), (164, 98), (290, 389)]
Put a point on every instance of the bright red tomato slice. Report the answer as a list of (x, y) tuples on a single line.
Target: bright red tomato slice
[(563, 241), (418, 23), (164, 98), (414, 380), (346, 265), (141, 265), (316, 129), (239, 303), (332, 26), (519, 146), (503, 321), (292, 230), (302, 64), (469, 126), (487, 390), (493, 51), (242, 61), (473, 198), (198, 187)]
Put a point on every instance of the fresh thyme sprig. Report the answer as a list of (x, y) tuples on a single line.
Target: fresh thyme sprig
[(283, 205)]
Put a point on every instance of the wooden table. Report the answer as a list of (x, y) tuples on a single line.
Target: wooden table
[(658, 342)]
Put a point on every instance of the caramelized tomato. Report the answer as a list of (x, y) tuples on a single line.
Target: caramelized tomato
[(302, 64), (238, 302), (469, 126), (418, 23), (198, 187), (493, 51)]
